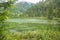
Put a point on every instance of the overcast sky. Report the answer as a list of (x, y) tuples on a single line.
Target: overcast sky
[(33, 1)]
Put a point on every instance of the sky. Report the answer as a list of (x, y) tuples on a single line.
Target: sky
[(33, 1)]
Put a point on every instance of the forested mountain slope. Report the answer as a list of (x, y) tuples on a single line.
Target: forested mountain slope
[(48, 8), (21, 7)]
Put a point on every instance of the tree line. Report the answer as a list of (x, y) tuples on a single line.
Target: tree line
[(47, 8)]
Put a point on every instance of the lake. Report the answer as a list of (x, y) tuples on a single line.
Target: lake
[(31, 21)]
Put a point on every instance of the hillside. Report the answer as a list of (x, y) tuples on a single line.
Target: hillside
[(49, 9), (21, 7)]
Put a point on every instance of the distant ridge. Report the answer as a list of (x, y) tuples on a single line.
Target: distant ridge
[(20, 7)]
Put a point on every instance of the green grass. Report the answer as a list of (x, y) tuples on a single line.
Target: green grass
[(33, 31), (33, 26), (35, 35)]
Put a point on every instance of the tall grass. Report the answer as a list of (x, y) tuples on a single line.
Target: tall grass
[(32, 31)]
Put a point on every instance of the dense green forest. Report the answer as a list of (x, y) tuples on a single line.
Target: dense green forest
[(29, 21), (20, 8), (48, 8)]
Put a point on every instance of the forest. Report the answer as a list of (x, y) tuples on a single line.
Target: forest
[(29, 21)]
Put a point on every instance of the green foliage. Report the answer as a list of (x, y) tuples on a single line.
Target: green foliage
[(37, 35), (19, 9), (4, 12), (33, 31), (47, 8)]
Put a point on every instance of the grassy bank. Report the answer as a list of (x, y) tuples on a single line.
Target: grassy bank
[(34, 35), (33, 31)]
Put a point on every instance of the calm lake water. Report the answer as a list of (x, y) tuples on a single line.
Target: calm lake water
[(30, 21)]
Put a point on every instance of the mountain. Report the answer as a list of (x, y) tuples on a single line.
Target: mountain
[(21, 7), (36, 10)]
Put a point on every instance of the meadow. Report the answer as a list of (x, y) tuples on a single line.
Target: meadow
[(33, 29)]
